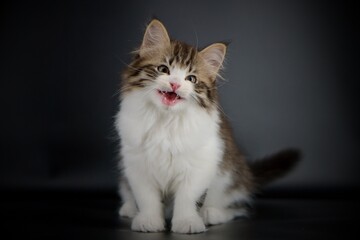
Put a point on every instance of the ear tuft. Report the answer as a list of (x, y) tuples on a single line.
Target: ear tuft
[(213, 56), (155, 37)]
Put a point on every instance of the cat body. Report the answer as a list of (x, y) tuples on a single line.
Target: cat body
[(174, 155), (175, 142)]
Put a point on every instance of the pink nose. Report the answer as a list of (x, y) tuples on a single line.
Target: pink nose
[(174, 86)]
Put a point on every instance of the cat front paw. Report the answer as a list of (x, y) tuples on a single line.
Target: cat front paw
[(186, 225), (148, 223)]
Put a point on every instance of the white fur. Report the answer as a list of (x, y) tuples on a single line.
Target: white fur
[(170, 151), (217, 204), (128, 209)]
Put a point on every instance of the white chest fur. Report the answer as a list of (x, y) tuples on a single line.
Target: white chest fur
[(168, 146)]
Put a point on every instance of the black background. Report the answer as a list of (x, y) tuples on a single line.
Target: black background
[(292, 80)]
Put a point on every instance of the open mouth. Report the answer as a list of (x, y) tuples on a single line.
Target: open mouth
[(169, 98)]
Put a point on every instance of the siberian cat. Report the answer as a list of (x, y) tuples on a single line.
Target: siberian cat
[(177, 147)]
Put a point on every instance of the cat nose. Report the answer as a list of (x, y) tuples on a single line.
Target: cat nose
[(174, 86)]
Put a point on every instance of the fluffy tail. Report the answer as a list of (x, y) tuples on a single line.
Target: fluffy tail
[(274, 166)]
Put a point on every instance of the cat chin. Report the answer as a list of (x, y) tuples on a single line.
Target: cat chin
[(177, 107)]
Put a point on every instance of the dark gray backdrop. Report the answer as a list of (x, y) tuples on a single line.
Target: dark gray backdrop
[(291, 80)]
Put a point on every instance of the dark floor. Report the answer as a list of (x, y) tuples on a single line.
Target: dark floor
[(94, 216)]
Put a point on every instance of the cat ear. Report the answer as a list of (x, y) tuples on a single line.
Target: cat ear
[(155, 38), (213, 56)]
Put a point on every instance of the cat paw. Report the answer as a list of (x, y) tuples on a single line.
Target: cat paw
[(187, 225), (148, 223), (128, 209), (215, 216)]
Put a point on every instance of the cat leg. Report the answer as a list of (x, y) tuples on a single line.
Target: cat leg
[(150, 217), (128, 208), (219, 197), (186, 218)]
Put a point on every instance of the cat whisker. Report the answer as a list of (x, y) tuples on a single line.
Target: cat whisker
[(222, 84), (124, 63), (218, 75), (117, 92), (195, 98), (196, 38), (149, 91), (218, 106)]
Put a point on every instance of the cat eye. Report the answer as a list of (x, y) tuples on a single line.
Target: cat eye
[(163, 69), (191, 78)]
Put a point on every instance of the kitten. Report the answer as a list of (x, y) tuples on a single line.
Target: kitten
[(176, 144)]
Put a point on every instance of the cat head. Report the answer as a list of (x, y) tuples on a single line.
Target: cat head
[(173, 75)]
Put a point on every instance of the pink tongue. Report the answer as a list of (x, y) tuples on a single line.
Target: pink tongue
[(171, 96)]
